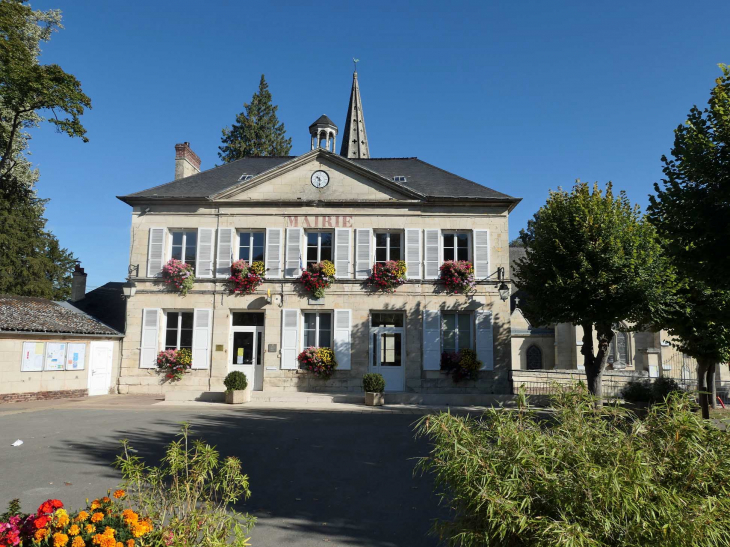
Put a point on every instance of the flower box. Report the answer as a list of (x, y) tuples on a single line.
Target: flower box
[(387, 276), (458, 276), (246, 277), (318, 277), (178, 274)]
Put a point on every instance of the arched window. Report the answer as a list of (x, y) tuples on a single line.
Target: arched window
[(618, 353), (534, 358)]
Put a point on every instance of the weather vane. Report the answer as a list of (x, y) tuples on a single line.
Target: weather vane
[(355, 61)]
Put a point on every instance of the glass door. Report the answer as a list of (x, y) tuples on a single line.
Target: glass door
[(247, 354), (387, 352)]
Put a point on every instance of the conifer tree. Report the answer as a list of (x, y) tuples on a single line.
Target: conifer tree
[(257, 131)]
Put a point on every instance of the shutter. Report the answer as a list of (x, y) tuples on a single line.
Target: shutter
[(485, 339), (431, 340), (363, 253), (293, 252), (204, 258), (289, 339), (156, 252), (273, 252), (343, 344), (343, 236), (481, 254), (413, 253), (225, 252), (432, 260), (150, 332), (202, 322)]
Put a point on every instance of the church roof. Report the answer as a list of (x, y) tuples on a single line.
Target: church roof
[(354, 138), (323, 120), (421, 177)]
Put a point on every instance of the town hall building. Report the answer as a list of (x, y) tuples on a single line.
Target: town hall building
[(288, 212)]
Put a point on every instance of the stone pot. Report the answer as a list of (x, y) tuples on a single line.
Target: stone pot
[(374, 399), (238, 396)]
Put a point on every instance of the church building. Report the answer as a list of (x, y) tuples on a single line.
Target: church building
[(349, 208)]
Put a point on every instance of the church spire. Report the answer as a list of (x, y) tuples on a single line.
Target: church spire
[(354, 138)]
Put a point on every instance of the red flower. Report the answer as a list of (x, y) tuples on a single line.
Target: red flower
[(41, 522)]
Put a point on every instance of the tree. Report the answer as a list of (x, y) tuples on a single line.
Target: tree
[(27, 88), (592, 259), (691, 209), (257, 131)]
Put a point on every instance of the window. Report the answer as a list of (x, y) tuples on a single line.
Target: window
[(534, 358), (183, 246), (319, 247), (318, 330), (388, 247), (618, 351), (247, 319), (251, 246), (179, 330), (456, 246), (380, 319), (245, 177), (456, 330), (399, 178)]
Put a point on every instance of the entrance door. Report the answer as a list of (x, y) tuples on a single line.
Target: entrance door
[(387, 356), (100, 368), (247, 354)]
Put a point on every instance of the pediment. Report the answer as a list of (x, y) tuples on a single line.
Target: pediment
[(293, 181)]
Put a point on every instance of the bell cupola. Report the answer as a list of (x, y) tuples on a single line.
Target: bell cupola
[(324, 134)]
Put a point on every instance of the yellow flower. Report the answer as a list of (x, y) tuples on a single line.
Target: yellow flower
[(74, 530), (96, 517), (108, 531), (90, 529), (62, 518), (119, 494), (78, 542), (82, 516), (95, 504), (59, 539), (41, 534), (328, 268)]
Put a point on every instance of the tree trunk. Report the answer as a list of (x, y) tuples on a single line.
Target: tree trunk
[(596, 364), (712, 385), (703, 368)]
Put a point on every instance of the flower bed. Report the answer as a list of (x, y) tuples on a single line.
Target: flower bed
[(387, 276), (174, 363), (458, 276), (104, 523), (319, 361), (318, 277), (246, 277), (179, 274), (461, 365)]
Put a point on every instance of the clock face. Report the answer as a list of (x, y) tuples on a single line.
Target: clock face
[(320, 179)]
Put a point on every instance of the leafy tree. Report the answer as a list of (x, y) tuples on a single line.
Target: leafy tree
[(257, 131), (27, 88), (691, 209), (517, 242), (592, 259)]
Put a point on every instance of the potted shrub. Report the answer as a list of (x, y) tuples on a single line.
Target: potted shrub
[(236, 392), (374, 385)]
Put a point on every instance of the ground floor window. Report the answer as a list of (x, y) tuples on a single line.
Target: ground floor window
[(534, 358), (383, 319), (179, 330), (318, 329), (618, 351), (456, 332)]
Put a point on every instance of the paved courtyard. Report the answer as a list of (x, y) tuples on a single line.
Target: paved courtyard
[(317, 476)]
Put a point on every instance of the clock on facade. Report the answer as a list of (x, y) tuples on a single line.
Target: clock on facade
[(320, 179)]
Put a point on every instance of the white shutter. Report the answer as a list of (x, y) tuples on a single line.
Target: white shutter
[(431, 340), (363, 252), (156, 252), (273, 252), (150, 332), (481, 254), (204, 259), (225, 252), (413, 253), (202, 322), (485, 339), (343, 237), (342, 338), (293, 252), (432, 259), (289, 338)]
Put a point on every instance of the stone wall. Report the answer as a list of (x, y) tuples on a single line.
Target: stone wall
[(42, 395)]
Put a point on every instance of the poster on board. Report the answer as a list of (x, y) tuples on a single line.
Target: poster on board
[(75, 356), (55, 355), (33, 353)]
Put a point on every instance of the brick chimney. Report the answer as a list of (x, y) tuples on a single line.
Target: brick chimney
[(78, 285), (187, 162)]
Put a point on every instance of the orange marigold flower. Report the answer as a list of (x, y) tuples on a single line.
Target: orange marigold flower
[(41, 534), (90, 529), (119, 494), (130, 543), (106, 499), (78, 542), (74, 530), (109, 531), (62, 518), (60, 540), (95, 504), (82, 516), (120, 544), (96, 517)]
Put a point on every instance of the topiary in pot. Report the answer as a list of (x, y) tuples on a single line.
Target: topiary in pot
[(374, 385), (236, 384)]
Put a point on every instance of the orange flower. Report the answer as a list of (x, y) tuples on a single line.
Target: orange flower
[(60, 540), (62, 518), (119, 494), (106, 499), (90, 529), (74, 530), (95, 504), (120, 544), (109, 531), (96, 517), (130, 517), (78, 542), (130, 543), (82, 516), (41, 534)]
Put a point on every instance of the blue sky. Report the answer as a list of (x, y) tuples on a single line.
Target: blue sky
[(521, 96)]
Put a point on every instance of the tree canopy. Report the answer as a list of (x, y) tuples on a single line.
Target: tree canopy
[(257, 131), (592, 259)]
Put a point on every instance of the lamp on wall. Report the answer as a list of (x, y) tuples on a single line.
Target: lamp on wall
[(130, 288), (503, 288)]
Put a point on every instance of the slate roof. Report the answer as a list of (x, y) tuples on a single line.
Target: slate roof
[(30, 314), (323, 120), (106, 304), (422, 177)]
